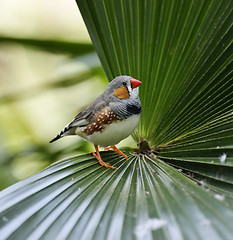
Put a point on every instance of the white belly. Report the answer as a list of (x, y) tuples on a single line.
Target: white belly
[(114, 132)]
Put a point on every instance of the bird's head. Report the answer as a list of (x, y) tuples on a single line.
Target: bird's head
[(123, 87)]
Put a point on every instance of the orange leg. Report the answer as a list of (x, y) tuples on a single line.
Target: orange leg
[(115, 149), (98, 157)]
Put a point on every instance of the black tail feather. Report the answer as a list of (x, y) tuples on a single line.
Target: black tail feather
[(55, 139), (66, 128)]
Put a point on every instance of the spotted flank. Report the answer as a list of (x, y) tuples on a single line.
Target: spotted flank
[(106, 116)]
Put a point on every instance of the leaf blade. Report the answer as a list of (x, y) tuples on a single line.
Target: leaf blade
[(85, 197)]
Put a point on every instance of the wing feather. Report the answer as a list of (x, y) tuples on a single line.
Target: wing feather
[(83, 118)]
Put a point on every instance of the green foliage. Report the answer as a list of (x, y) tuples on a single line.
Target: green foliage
[(73, 49), (180, 187), (77, 198), (23, 94), (180, 50)]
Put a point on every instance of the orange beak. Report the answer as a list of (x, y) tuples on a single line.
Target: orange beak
[(135, 83)]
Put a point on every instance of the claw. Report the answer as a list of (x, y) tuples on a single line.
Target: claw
[(115, 149), (101, 162)]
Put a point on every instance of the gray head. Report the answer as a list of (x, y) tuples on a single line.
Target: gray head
[(122, 87)]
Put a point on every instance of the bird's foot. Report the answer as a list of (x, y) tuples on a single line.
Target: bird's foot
[(115, 149), (101, 162)]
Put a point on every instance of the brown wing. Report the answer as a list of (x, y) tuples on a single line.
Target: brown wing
[(88, 114), (83, 118)]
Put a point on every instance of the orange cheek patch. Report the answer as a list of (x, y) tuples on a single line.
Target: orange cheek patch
[(121, 92)]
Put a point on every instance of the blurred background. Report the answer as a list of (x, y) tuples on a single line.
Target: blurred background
[(48, 72)]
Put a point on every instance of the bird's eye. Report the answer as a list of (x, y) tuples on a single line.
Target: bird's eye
[(124, 83)]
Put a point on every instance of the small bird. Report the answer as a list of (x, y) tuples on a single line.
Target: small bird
[(110, 118)]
